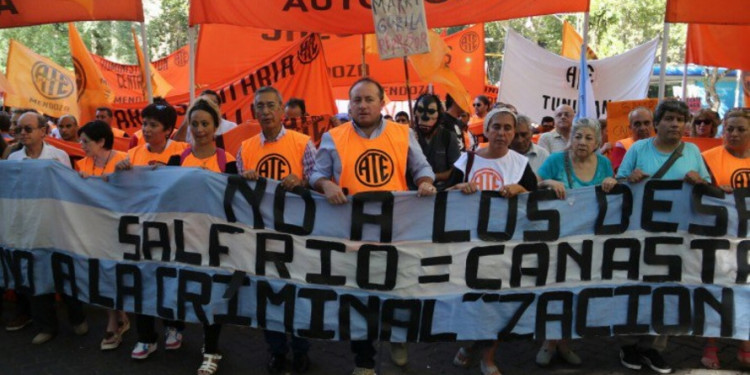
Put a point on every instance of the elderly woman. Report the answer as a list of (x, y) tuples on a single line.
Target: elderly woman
[(495, 167), (439, 144), (705, 123), (577, 166), (723, 162)]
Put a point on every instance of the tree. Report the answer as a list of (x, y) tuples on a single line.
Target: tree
[(167, 31)]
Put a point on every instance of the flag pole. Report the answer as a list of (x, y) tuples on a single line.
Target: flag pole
[(191, 57), (684, 81), (147, 65), (663, 67), (408, 90), (737, 90), (364, 62)]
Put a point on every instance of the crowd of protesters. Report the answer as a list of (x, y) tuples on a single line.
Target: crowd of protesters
[(440, 147)]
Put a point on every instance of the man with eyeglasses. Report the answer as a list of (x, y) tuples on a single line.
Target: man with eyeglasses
[(31, 130), (557, 139), (287, 156), (523, 145)]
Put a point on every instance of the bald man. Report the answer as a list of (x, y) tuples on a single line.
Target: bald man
[(641, 126), (557, 139)]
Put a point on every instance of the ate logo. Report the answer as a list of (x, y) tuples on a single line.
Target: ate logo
[(308, 50), (51, 82), (488, 179), (80, 77), (740, 179), (181, 58), (374, 168), (469, 42), (273, 166)]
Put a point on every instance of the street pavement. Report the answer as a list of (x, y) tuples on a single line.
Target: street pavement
[(245, 352)]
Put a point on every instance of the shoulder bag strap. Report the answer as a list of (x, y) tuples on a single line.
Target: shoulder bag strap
[(668, 164)]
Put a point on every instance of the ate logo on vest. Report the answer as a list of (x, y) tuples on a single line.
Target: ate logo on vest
[(740, 179), (274, 166), (50, 82), (374, 168), (488, 179)]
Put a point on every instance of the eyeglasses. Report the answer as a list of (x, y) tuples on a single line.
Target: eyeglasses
[(702, 122), (261, 106), (477, 104), (25, 129), (430, 111)]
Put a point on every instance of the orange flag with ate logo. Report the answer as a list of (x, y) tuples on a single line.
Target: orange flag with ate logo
[(39, 83), (93, 90), (17, 13), (433, 67), (159, 85)]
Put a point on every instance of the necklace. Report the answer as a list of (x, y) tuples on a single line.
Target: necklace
[(109, 155)]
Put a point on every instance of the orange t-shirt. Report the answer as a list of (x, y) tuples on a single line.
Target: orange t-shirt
[(210, 163), (726, 169), (377, 164), (86, 165), (141, 155), (275, 160)]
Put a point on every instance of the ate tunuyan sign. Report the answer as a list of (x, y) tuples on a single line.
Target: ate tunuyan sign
[(658, 257), (401, 27)]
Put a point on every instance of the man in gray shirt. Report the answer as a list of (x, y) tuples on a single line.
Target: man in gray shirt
[(523, 145)]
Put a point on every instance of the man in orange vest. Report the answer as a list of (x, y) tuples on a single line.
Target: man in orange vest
[(369, 153), (641, 121)]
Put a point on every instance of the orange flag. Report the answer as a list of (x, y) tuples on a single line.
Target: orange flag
[(16, 13), (159, 86), (5, 85), (433, 67), (720, 12), (93, 90), (39, 83), (718, 45), (572, 42)]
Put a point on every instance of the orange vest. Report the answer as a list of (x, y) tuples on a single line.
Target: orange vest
[(210, 163), (86, 165), (627, 142), (275, 160), (140, 155), (727, 169), (377, 164)]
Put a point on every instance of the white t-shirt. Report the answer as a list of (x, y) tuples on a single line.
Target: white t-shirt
[(493, 174), (224, 126), (48, 152)]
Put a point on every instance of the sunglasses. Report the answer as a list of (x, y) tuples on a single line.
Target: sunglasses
[(477, 104), (702, 122), (25, 129), (430, 111)]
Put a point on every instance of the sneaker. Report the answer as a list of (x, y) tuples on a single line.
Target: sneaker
[(42, 337), (18, 322), (301, 363), (653, 359), (276, 364), (630, 358), (544, 356), (569, 356), (111, 341), (142, 350), (81, 329), (172, 339), (399, 354), (363, 371)]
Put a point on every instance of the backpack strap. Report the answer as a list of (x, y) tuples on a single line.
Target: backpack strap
[(670, 162), (185, 154), (568, 169), (221, 159), (469, 164)]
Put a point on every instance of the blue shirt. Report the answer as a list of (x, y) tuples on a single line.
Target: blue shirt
[(554, 169), (645, 156), (328, 162)]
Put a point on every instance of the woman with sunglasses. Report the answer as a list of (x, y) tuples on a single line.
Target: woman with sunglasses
[(705, 123), (439, 145), (729, 165)]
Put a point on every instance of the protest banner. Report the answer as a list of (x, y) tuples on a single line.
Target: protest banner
[(39, 83), (537, 81), (17, 13), (618, 123), (336, 17), (400, 27), (673, 257), (297, 71)]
